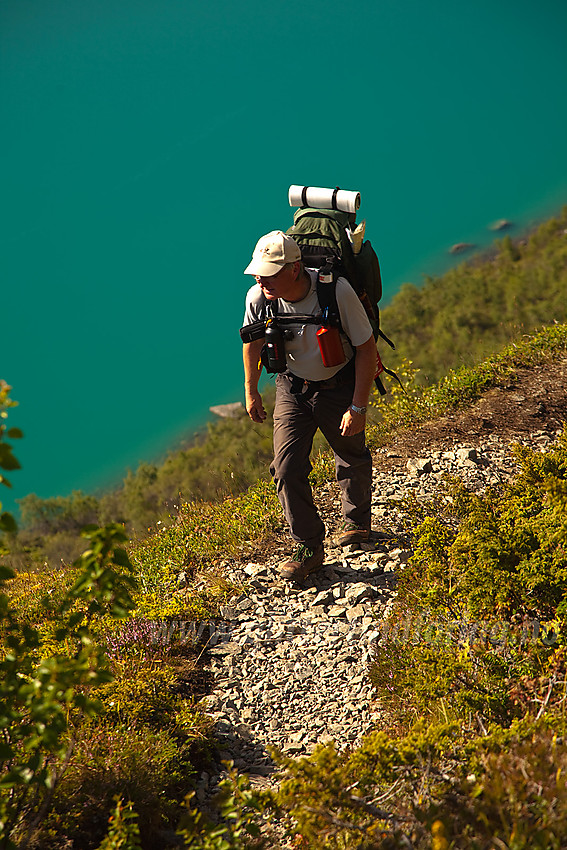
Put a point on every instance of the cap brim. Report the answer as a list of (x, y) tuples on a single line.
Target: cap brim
[(262, 268)]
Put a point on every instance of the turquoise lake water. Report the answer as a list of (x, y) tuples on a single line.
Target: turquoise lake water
[(146, 146)]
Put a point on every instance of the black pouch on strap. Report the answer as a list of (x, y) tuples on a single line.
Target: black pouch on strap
[(249, 333)]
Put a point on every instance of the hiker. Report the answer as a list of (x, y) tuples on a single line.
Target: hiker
[(310, 395)]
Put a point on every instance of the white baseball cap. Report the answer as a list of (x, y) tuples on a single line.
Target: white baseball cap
[(271, 253)]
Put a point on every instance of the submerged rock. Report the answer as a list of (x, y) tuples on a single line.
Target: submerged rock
[(228, 411), (501, 224), (461, 247)]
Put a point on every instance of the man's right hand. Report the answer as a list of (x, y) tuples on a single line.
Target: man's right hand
[(254, 407)]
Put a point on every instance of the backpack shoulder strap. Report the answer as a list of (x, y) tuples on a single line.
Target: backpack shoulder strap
[(269, 308)]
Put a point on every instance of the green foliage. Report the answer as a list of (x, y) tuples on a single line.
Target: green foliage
[(52, 516), (402, 397), (41, 689), (366, 798), (36, 699), (323, 467), (142, 694), (229, 525), (60, 764), (487, 572), (51, 527), (508, 556), (149, 767), (108, 590), (478, 307), (123, 832), (516, 798), (202, 535), (438, 786), (143, 705)]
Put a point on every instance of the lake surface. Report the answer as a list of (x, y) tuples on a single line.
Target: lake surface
[(147, 145)]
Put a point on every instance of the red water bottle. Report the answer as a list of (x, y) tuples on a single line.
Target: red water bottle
[(328, 337), (330, 346)]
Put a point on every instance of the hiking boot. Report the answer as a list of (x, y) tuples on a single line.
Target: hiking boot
[(304, 562), (353, 533)]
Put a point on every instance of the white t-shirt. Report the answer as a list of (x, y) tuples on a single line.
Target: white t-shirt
[(302, 352)]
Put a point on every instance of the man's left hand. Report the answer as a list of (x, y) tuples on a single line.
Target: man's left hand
[(352, 423)]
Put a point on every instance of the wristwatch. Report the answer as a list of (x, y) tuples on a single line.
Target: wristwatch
[(356, 409)]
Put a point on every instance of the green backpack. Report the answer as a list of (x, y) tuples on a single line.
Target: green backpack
[(324, 242)]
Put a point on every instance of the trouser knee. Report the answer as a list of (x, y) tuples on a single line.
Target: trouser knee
[(288, 468)]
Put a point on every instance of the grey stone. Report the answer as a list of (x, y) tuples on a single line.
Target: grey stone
[(419, 466), (252, 568), (229, 648), (356, 613), (400, 555), (357, 592), (336, 611), (293, 747)]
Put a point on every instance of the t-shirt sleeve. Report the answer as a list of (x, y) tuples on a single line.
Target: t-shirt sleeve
[(255, 306), (355, 322)]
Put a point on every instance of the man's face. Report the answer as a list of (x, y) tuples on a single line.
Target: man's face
[(279, 285)]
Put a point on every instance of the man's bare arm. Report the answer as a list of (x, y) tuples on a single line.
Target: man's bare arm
[(365, 369), (252, 370)]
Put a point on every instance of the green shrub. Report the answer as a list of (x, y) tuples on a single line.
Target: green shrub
[(483, 587), (148, 767), (514, 798), (439, 786), (140, 694), (37, 697)]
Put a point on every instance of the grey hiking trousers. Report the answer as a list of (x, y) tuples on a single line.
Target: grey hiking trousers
[(296, 419)]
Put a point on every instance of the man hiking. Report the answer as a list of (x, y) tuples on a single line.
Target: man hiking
[(310, 395)]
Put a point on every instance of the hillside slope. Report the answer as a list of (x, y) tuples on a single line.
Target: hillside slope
[(479, 306), (338, 671), (289, 663)]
